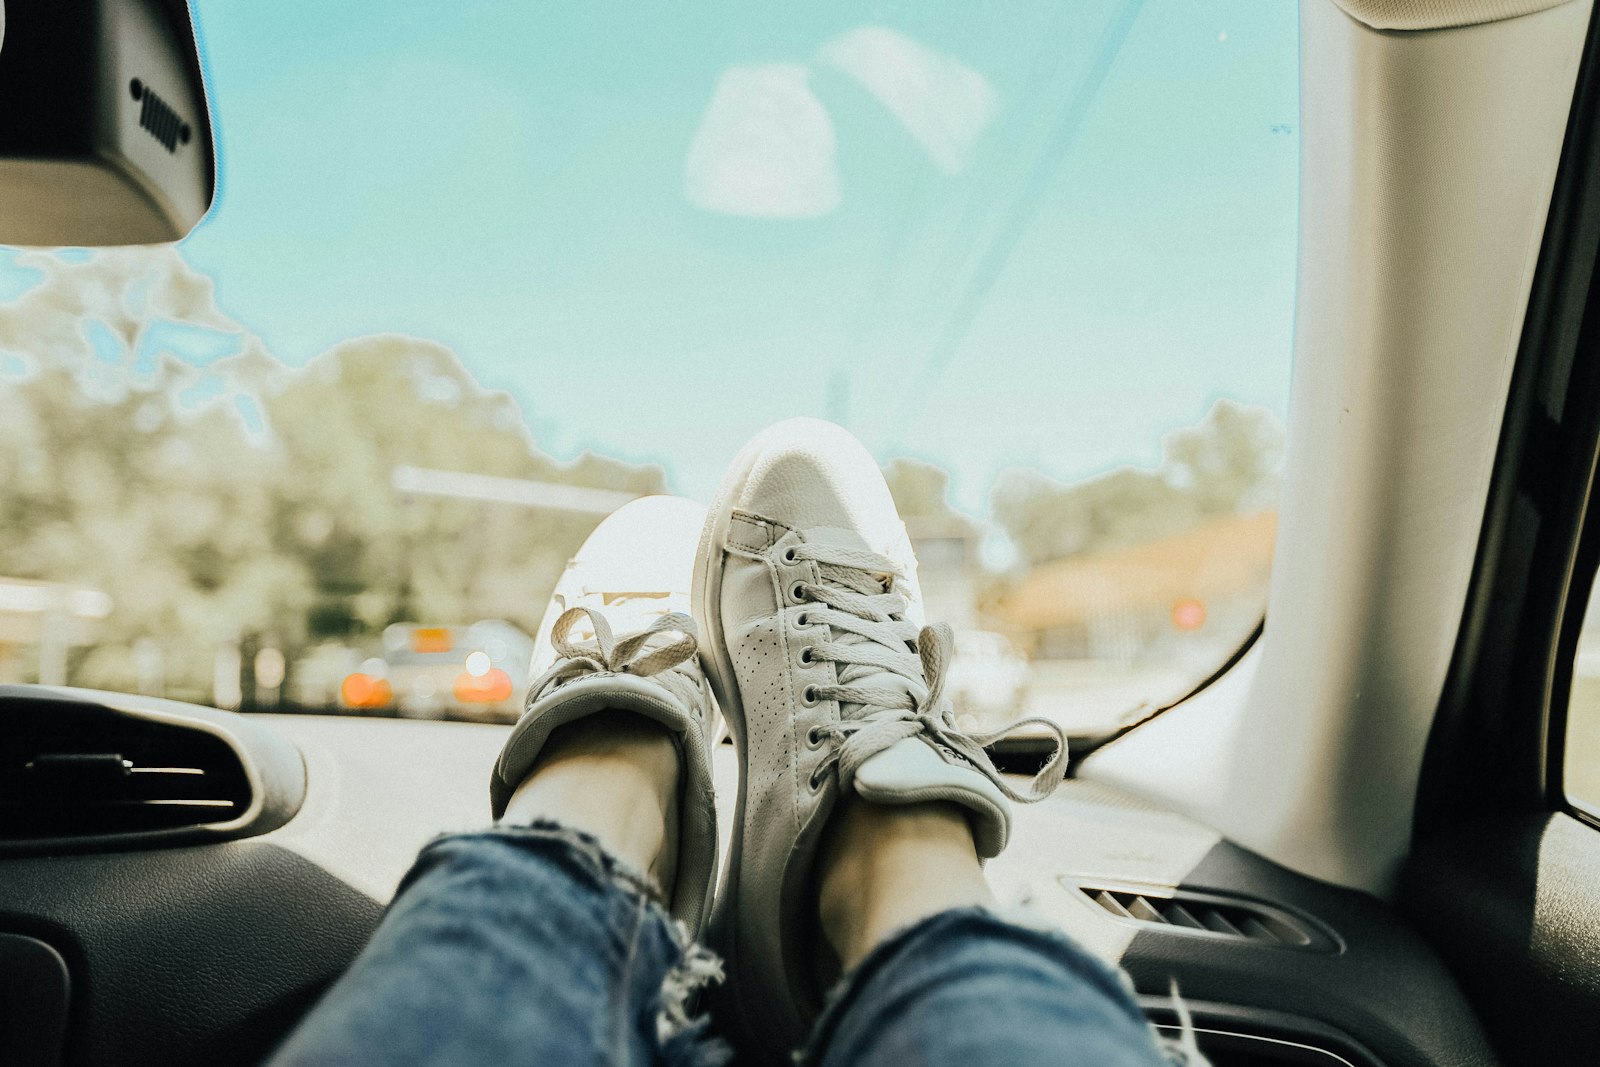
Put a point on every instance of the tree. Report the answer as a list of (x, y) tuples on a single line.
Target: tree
[(369, 405), (920, 490), (1226, 464), (242, 497), (1229, 462)]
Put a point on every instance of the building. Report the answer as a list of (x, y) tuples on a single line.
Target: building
[(1116, 606), (40, 622)]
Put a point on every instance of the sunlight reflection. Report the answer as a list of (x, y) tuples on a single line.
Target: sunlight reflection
[(941, 102), (765, 148)]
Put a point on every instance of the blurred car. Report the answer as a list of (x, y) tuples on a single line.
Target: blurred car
[(319, 674), (477, 672), (988, 680)]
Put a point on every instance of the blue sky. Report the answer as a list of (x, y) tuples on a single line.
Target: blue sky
[(986, 235)]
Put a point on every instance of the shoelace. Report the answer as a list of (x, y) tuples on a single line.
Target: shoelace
[(856, 596), (630, 655)]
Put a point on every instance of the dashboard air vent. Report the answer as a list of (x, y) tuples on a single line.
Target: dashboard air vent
[(1208, 915), (126, 776)]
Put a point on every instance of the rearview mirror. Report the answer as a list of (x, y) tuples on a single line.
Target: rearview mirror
[(105, 138)]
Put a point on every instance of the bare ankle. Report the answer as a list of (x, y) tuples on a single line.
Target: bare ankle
[(613, 775), (883, 868)]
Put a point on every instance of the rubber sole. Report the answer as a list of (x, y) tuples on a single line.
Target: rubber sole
[(706, 598)]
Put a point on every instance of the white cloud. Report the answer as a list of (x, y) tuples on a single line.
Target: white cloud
[(765, 147)]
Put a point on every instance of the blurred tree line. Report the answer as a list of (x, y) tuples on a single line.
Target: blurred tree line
[(151, 447), (239, 500), (1226, 464)]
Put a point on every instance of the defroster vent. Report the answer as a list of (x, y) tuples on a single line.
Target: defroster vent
[(1206, 914)]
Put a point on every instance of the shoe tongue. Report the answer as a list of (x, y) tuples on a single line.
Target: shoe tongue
[(856, 674)]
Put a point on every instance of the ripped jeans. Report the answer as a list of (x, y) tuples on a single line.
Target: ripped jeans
[(534, 946)]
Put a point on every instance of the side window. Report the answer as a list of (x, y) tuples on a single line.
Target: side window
[(1582, 771)]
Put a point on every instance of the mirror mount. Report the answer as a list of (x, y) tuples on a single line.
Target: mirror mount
[(107, 135)]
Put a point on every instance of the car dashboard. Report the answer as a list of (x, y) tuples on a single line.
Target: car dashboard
[(201, 948)]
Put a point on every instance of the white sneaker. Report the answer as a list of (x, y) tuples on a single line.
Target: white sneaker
[(632, 575), (806, 588)]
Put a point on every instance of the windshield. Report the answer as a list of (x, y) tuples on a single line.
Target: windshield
[(472, 281)]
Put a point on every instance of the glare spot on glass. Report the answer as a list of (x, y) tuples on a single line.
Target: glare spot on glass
[(478, 664), (765, 147), (940, 101)]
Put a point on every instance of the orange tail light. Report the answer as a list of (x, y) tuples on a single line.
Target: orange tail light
[(491, 688), (364, 691)]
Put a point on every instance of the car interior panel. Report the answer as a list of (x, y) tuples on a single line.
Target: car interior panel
[(1355, 841)]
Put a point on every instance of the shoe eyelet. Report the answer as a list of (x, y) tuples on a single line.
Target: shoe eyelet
[(802, 620), (806, 657), (809, 696), (789, 556), (797, 592), (815, 781), (814, 737)]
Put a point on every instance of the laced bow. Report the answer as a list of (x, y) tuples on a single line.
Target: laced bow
[(857, 599), (632, 654)]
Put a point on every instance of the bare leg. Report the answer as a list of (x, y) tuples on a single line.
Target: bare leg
[(884, 868), (613, 775), (971, 988), (508, 948)]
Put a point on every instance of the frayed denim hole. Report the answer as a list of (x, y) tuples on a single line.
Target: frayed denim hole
[(681, 1034), (1182, 1050), (589, 854)]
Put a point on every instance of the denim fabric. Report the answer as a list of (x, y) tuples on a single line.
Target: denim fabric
[(515, 946), (967, 988), (534, 946)]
